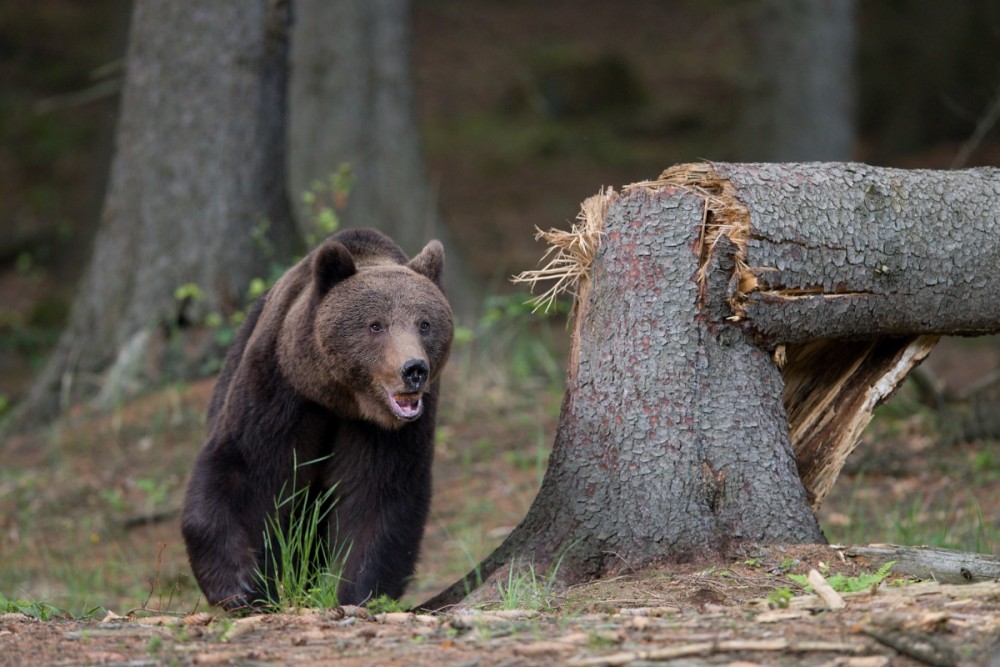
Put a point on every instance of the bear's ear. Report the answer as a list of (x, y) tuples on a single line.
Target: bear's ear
[(331, 264), (430, 261)]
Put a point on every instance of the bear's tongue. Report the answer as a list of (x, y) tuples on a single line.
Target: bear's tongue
[(407, 406)]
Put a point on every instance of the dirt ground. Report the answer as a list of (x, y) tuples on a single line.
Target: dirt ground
[(712, 616), (73, 498)]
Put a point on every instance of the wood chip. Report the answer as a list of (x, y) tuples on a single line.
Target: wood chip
[(168, 621), (216, 658), (398, 617), (781, 615), (542, 648), (831, 597), (513, 613), (427, 619), (242, 626), (201, 618), (648, 611)]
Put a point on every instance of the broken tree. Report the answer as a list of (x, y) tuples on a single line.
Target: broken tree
[(735, 327)]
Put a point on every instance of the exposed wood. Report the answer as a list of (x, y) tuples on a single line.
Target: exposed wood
[(832, 388), (897, 597), (831, 597), (942, 565)]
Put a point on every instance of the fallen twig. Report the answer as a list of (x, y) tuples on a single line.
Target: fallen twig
[(137, 520), (923, 647), (727, 646), (831, 597)]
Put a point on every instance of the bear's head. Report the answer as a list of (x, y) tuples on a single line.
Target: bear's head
[(369, 336)]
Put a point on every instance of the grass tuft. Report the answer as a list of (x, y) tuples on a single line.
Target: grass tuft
[(301, 566), (526, 589)]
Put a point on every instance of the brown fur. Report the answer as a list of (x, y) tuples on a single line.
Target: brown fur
[(339, 361)]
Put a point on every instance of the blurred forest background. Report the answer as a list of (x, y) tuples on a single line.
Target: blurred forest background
[(500, 117), (524, 109)]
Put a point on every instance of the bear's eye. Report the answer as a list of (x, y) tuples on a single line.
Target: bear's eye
[(376, 327), (425, 326)]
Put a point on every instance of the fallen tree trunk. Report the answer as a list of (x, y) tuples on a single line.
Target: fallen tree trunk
[(733, 333), (852, 272), (942, 565)]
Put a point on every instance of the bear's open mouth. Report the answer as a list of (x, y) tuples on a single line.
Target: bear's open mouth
[(407, 405)]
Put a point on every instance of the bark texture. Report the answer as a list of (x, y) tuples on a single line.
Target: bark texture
[(722, 298), (198, 168), (849, 250), (353, 101)]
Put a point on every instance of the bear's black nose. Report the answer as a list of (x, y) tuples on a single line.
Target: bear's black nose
[(415, 373)]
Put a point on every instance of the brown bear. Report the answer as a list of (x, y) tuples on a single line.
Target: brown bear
[(338, 364)]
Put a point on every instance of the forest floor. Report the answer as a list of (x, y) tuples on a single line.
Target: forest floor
[(93, 566), (707, 616)]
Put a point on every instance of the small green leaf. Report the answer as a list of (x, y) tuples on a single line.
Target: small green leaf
[(189, 291), (257, 287)]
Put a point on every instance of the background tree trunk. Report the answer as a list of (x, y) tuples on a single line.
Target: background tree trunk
[(352, 101), (801, 98), (673, 440), (196, 194)]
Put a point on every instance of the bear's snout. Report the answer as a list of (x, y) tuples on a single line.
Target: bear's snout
[(415, 373)]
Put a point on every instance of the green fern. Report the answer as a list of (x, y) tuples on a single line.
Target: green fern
[(843, 584)]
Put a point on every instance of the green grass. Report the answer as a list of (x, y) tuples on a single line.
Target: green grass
[(935, 522), (45, 611), (307, 569), (384, 604), (523, 588), (906, 485)]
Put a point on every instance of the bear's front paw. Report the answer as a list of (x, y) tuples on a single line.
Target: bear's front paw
[(244, 598), (247, 599)]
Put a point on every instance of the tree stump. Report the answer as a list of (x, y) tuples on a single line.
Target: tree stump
[(735, 327)]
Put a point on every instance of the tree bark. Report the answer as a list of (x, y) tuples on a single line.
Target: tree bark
[(715, 301), (353, 101), (196, 194)]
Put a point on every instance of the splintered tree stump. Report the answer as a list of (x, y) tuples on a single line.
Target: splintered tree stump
[(734, 328)]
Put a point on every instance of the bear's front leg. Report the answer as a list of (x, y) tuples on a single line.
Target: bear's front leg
[(384, 545), (223, 529)]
